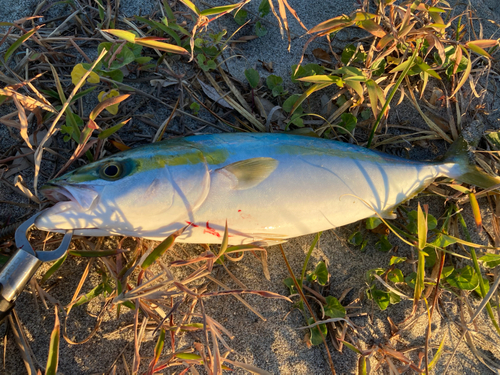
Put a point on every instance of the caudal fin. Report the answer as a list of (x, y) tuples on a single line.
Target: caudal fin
[(470, 174)]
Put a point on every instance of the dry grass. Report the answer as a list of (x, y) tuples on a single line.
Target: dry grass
[(48, 89)]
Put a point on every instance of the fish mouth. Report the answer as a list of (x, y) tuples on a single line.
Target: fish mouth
[(73, 209), (84, 196), (56, 193)]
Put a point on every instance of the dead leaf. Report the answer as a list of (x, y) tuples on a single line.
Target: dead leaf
[(436, 94), (28, 102), (321, 54), (214, 95), (21, 164), (23, 122), (267, 65), (162, 82), (19, 183), (246, 38)]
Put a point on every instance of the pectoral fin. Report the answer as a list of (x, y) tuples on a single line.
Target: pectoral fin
[(246, 174)]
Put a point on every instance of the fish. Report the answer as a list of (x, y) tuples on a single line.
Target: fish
[(267, 187)]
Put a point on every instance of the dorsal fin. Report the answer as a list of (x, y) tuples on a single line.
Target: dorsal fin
[(246, 174)]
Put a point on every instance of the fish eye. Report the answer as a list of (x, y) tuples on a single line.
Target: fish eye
[(111, 171)]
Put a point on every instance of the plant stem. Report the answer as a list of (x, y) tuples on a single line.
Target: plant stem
[(311, 248), (303, 297), (391, 95)]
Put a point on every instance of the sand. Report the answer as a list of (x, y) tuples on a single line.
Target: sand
[(277, 344)]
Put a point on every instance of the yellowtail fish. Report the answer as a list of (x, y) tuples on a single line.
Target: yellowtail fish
[(268, 187)]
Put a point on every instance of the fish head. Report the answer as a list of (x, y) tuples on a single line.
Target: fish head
[(130, 193), (80, 196)]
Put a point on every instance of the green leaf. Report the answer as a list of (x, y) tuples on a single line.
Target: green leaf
[(373, 222), (53, 358), (17, 44), (465, 279), (107, 132), (394, 298), (241, 17), (291, 285), (349, 52), (115, 75), (97, 291), (411, 280), (341, 100), (159, 345), (218, 37), (252, 77), (491, 260), (464, 62), (494, 139), (142, 60), (125, 57), (205, 64), (369, 274), (321, 78), (316, 338), (422, 228), (273, 80), (383, 244), (122, 34), (366, 114), (297, 73), (53, 269), (412, 225), (348, 122), (321, 272), (486, 284), (442, 240), (403, 66), (381, 298), (219, 9), (313, 69), (397, 260), (73, 125), (260, 30), (396, 276), (357, 239), (378, 67), (297, 120), (3, 259), (264, 8), (289, 103), (195, 107), (93, 254), (431, 257), (278, 91), (191, 6), (447, 271), (161, 248), (426, 68), (333, 308)]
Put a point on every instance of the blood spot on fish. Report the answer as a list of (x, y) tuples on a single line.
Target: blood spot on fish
[(211, 231), (239, 210), (192, 224)]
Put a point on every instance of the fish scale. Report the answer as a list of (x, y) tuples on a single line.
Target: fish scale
[(267, 187)]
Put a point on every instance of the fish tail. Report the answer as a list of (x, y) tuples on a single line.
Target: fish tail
[(467, 172)]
